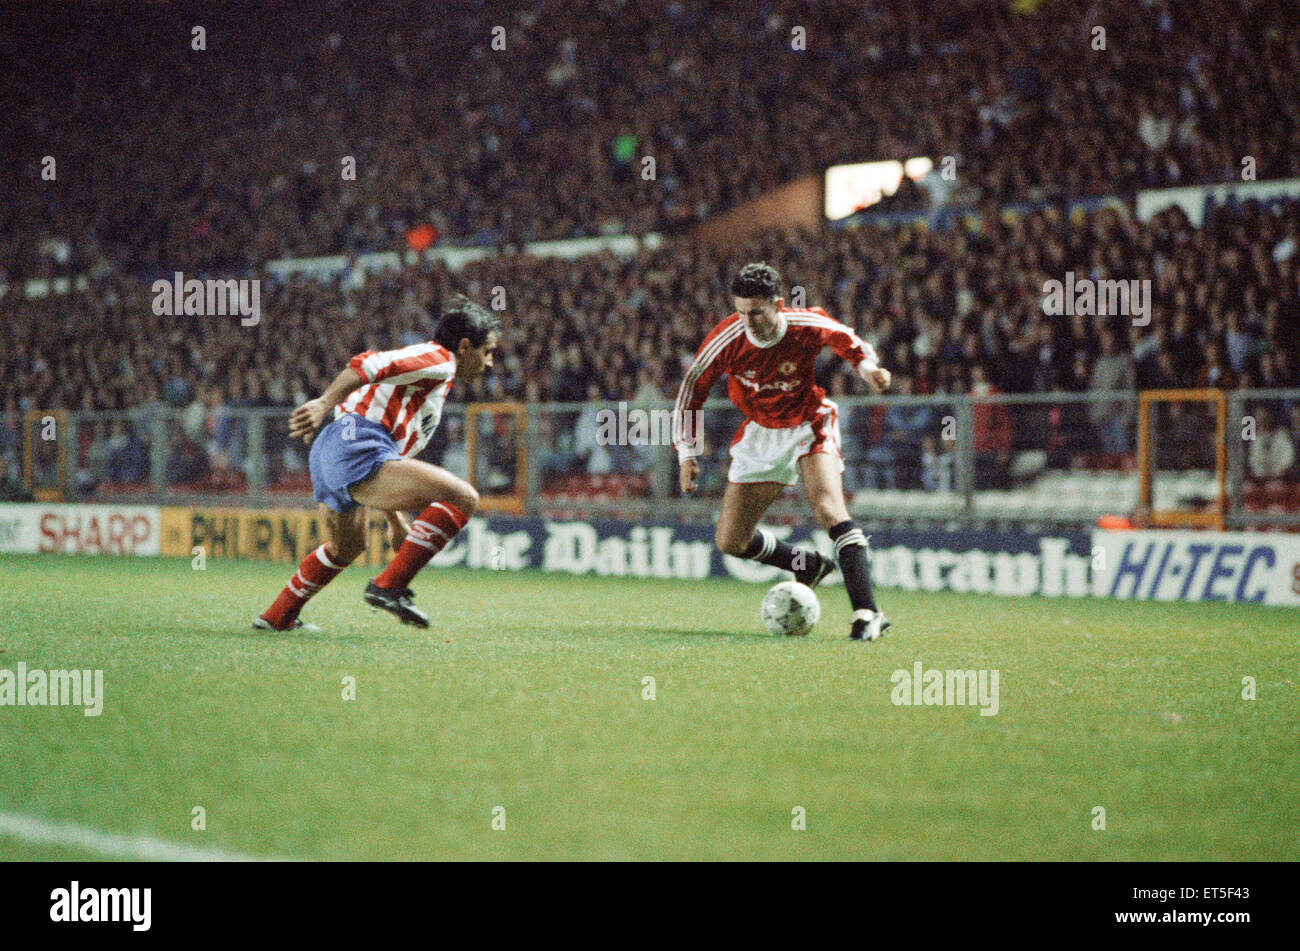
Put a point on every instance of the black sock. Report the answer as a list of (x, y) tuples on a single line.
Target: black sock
[(851, 550), (765, 549)]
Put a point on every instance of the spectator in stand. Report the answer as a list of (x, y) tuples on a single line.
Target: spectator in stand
[(1238, 342), (1165, 375), (937, 464), (1271, 454), (992, 433), (651, 400), (10, 443), (128, 459), (1113, 419), (1046, 361), (195, 419), (572, 386), (895, 460), (454, 458), (1180, 442), (592, 450), (855, 434), (1295, 438), (186, 462), (230, 435), (96, 470), (1215, 373)]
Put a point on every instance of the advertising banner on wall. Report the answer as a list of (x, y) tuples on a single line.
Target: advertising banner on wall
[(1245, 567), (994, 563), (79, 529), (987, 562), (257, 534), (1241, 567)]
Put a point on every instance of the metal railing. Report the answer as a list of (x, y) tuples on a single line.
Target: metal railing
[(1058, 457)]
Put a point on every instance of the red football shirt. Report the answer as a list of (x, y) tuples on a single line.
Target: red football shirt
[(773, 383)]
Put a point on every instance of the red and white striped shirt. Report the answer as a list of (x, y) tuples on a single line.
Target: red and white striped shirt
[(404, 391), (772, 383)]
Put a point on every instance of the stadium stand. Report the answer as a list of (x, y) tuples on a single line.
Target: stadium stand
[(542, 139), (452, 138)]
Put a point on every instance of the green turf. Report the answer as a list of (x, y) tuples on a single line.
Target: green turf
[(527, 694)]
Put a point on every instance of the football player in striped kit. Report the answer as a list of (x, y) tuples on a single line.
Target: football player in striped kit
[(791, 429), (385, 406)]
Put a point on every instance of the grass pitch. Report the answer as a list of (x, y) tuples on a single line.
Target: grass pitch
[(527, 694)]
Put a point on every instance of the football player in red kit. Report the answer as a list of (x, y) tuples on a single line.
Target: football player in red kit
[(385, 404), (791, 429)]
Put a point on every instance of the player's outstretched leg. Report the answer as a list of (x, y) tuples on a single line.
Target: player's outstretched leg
[(808, 566), (345, 532), (445, 503), (825, 492), (869, 622), (743, 504)]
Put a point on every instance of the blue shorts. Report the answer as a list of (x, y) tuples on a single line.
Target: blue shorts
[(347, 451)]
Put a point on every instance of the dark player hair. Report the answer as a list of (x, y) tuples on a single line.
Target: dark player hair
[(464, 319), (757, 280)]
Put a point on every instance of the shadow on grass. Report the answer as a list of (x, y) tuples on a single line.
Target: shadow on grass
[(295, 637), (687, 632)]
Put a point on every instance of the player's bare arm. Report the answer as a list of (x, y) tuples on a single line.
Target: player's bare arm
[(872, 373), (689, 475), (307, 418), (878, 379)]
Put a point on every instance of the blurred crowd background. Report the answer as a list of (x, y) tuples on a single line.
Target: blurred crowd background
[(171, 158), (218, 161)]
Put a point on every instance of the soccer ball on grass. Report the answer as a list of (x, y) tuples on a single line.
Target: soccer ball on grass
[(790, 608)]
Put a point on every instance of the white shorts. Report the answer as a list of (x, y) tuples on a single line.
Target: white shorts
[(759, 454)]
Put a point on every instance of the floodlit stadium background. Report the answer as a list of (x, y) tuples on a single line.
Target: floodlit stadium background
[(596, 171)]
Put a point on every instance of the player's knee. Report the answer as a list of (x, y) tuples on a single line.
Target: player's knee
[(828, 514), (825, 517), (345, 551), (463, 495), (730, 545), (459, 493), (467, 500)]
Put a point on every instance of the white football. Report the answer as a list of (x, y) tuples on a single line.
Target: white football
[(790, 608)]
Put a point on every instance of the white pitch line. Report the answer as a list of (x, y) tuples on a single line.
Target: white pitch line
[(31, 829)]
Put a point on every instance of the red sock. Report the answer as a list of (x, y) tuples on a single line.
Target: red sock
[(430, 532), (316, 571)]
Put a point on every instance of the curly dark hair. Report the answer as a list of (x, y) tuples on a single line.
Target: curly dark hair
[(757, 280), (464, 319)]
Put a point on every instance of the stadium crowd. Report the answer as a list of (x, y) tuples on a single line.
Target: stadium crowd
[(221, 159), (171, 158), (950, 311)]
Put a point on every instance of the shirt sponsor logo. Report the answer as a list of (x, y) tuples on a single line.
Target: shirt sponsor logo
[(785, 386)]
